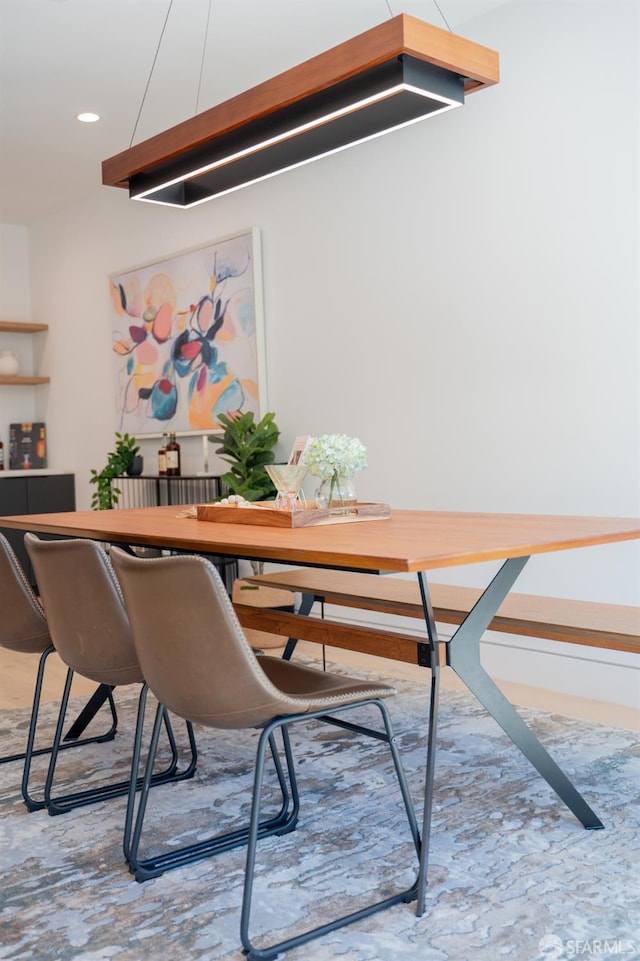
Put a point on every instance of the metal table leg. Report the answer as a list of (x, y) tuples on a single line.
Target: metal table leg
[(306, 603), (89, 711), (431, 742), (463, 656)]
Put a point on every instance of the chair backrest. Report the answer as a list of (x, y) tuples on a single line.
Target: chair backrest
[(23, 626), (191, 647), (85, 609)]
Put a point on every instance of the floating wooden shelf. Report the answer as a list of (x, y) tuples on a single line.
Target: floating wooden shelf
[(22, 327), (18, 379), (17, 327)]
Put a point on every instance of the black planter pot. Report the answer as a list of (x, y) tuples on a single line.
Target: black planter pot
[(136, 466)]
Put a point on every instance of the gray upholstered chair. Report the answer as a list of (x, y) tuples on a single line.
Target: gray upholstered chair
[(198, 663), (90, 629), (23, 628)]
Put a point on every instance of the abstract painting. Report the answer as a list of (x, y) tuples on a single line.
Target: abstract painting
[(188, 339)]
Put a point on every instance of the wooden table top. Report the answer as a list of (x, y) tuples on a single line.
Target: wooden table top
[(407, 541)]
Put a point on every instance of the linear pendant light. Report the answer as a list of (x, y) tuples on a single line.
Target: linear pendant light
[(393, 75)]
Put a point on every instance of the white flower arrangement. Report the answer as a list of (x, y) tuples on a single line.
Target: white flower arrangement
[(334, 455)]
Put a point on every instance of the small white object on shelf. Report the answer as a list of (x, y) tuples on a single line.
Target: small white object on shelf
[(9, 363)]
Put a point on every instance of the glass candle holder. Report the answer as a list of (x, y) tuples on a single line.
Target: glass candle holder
[(287, 479)]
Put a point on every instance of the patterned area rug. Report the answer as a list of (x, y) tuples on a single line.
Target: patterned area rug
[(512, 873)]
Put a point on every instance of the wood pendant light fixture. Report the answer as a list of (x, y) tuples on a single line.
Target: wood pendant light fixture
[(388, 77)]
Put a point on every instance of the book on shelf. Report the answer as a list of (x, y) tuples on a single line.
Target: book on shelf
[(27, 446)]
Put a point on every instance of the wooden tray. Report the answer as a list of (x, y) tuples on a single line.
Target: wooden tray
[(265, 515)]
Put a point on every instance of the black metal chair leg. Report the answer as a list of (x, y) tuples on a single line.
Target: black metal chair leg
[(31, 803), (27, 756), (290, 820), (65, 803), (254, 953), (135, 783), (132, 842), (55, 748), (133, 777), (102, 694), (145, 868)]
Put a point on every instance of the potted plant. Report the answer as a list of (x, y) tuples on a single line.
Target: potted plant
[(124, 459), (248, 446)]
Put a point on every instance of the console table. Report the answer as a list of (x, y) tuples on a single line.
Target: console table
[(168, 490), (155, 490)]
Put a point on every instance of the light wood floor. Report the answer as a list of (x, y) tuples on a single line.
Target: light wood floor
[(18, 677), (18, 672)]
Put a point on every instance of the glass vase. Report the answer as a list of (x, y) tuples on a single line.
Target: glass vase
[(337, 493)]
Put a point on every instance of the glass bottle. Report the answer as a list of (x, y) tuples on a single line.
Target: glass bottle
[(162, 456), (1, 455), (41, 448), (173, 456)]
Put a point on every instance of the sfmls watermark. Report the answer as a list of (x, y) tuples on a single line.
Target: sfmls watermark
[(553, 948)]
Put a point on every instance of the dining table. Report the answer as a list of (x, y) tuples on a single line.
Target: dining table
[(410, 542)]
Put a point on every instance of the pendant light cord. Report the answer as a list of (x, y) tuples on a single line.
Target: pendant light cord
[(204, 50), (437, 6), (146, 89)]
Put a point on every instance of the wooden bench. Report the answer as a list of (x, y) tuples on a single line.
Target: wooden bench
[(610, 626)]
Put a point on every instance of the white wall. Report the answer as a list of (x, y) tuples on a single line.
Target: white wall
[(17, 403), (461, 295)]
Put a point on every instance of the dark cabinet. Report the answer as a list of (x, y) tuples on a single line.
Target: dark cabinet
[(36, 494)]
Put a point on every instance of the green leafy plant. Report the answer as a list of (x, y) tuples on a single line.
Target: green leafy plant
[(118, 463), (247, 446)]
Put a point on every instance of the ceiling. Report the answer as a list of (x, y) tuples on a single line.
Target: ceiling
[(61, 57)]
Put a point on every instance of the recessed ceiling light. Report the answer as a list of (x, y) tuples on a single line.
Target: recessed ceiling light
[(88, 117)]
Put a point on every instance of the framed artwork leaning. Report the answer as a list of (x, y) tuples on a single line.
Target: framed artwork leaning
[(188, 338)]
